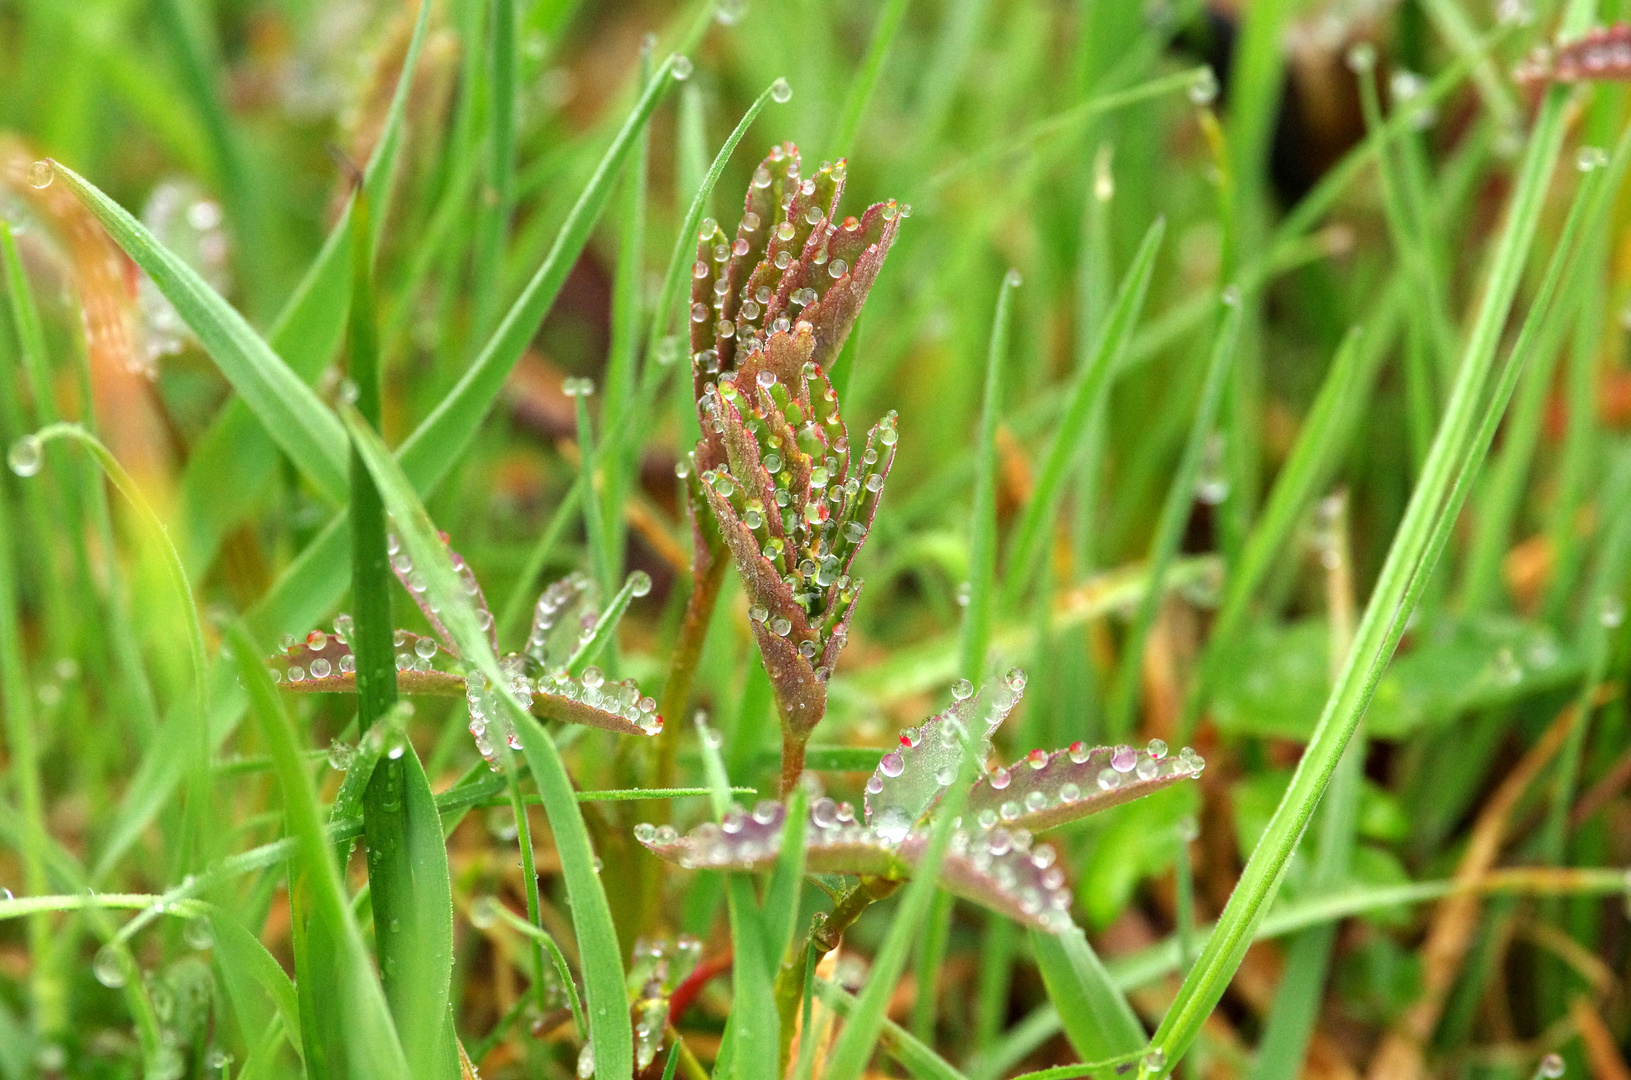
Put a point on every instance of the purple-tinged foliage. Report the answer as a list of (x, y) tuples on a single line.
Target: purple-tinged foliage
[(793, 502), (910, 779), (1001, 869), (992, 859), (1602, 55), (1044, 789), (539, 677)]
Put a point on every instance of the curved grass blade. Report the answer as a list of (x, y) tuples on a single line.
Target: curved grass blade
[(1090, 385), (440, 440), (982, 548), (371, 1047), (607, 1001), (1452, 460), (1092, 1008), (1174, 516), (290, 411)]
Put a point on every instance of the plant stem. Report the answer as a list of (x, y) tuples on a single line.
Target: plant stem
[(707, 574)]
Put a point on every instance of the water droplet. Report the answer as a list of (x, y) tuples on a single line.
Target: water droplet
[(484, 913), (962, 690), (681, 70), (645, 832), (1157, 749), (199, 934), (999, 778), (639, 583), (1551, 1066), (1212, 484), (1155, 1061), (892, 824), (26, 455), (593, 677), (945, 775), (1109, 779), (1590, 158), (1204, 90), (892, 764), (1362, 57), (108, 966), (1612, 612), (781, 92), (41, 173), (730, 12)]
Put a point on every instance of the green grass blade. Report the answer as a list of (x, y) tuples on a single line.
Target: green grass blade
[(1090, 385), (1498, 505), (867, 1019), (240, 956), (288, 408), (1387, 610), (866, 81), (410, 890), (440, 440), (982, 557), (916, 1058), (606, 1000), (1092, 1009), (498, 194), (233, 460), (371, 1047), (412, 899), (1313, 456), (1169, 527)]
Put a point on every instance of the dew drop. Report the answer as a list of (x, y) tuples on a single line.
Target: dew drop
[(781, 92), (25, 456), (108, 966), (1204, 90), (1551, 1066), (962, 690), (892, 764), (639, 583), (41, 173), (1124, 759), (681, 70)]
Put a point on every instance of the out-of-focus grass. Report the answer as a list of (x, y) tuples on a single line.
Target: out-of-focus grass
[(1125, 507)]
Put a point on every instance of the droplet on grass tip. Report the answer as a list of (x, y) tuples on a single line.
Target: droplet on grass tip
[(41, 173), (680, 67), (1551, 1067), (26, 455), (1204, 89), (108, 967), (781, 92)]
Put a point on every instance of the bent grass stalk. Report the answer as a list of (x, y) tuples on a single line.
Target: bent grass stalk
[(1388, 609)]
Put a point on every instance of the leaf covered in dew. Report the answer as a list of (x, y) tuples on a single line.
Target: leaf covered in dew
[(564, 615), (414, 583), (794, 505), (1043, 790), (910, 779), (771, 308), (323, 663), (1000, 869)]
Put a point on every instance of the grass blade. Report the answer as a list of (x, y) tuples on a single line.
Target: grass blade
[(1174, 516), (1386, 612), (860, 90), (1092, 1009), (371, 1047), (982, 558), (1092, 382), (607, 1002), (440, 440), (289, 410)]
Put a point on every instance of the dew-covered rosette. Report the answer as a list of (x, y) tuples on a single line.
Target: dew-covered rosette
[(791, 260), (792, 500), (552, 677)]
